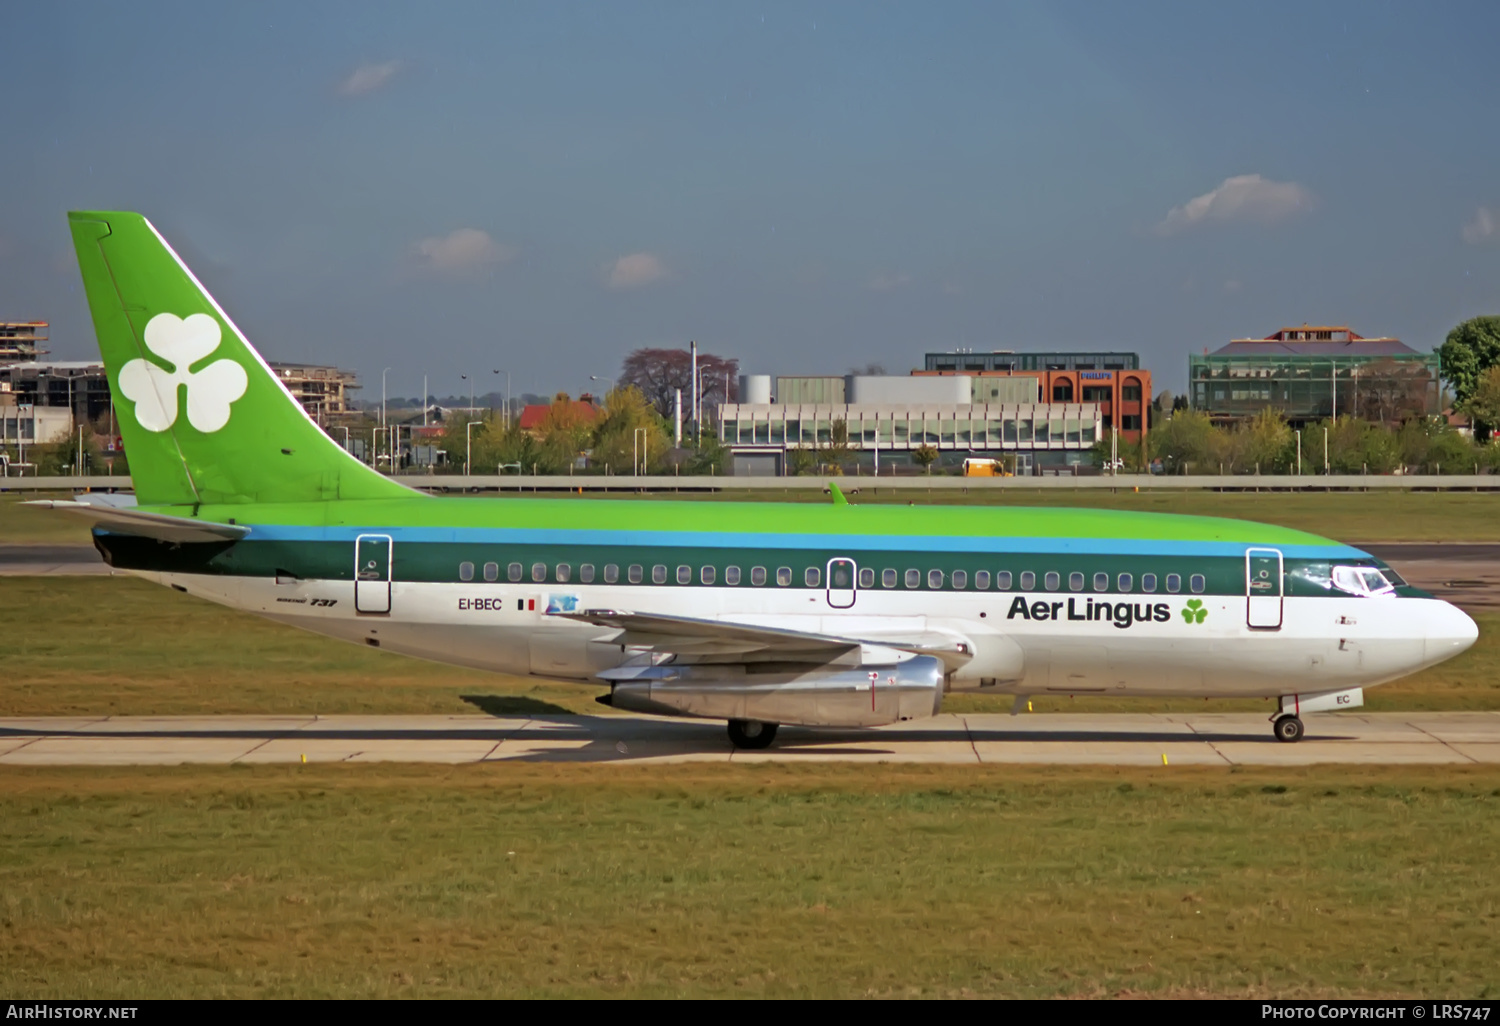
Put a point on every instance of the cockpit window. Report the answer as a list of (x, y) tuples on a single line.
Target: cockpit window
[(1361, 580)]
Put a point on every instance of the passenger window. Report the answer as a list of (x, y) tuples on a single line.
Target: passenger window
[(731, 575), (1125, 581), (1052, 580), (888, 578), (466, 571), (1002, 580), (982, 580), (564, 572), (866, 577), (757, 575), (636, 573), (492, 571), (1028, 581), (783, 576), (513, 571), (539, 572), (1075, 581), (1148, 582), (934, 579), (684, 575), (811, 576), (913, 578), (960, 579), (1197, 584), (1101, 582), (611, 573), (707, 575), (1174, 583), (586, 573), (658, 574)]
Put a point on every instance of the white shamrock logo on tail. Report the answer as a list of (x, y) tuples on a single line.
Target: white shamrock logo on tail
[(182, 343)]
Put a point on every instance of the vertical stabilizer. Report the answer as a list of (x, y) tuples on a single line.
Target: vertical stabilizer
[(204, 420)]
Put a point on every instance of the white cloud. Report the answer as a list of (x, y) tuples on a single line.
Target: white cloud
[(1485, 226), (462, 249), (369, 77), (1241, 198), (886, 282), (634, 270)]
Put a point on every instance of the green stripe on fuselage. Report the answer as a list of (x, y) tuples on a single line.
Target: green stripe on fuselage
[(759, 518)]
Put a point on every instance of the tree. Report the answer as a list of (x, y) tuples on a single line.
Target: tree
[(1470, 349), (659, 373), (1390, 392), (630, 433), (1265, 443), (924, 456), (836, 453), (801, 459), (1483, 405), (1186, 443)]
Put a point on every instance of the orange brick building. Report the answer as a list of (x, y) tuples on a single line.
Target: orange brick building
[(1113, 380)]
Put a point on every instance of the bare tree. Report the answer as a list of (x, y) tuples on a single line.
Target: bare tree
[(659, 373)]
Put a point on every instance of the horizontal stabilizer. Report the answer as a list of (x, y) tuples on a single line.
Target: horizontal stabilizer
[(161, 526)]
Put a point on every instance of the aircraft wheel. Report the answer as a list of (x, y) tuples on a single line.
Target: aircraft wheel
[(751, 734), (1288, 729)]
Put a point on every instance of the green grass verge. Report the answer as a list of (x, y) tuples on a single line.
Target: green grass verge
[(79, 646), (827, 881), (25, 525)]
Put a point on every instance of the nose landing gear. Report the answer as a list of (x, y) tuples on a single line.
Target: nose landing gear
[(1287, 729), (751, 734)]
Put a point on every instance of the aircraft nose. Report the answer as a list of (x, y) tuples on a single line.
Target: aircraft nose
[(1453, 633)]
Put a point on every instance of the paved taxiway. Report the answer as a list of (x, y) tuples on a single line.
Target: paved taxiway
[(1242, 739)]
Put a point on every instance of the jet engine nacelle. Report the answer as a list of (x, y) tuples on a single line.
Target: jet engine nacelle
[(869, 697)]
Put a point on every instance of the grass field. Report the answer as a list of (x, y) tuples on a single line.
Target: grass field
[(828, 881), (1347, 516), (79, 646)]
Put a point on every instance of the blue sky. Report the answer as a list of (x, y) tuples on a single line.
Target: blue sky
[(540, 187)]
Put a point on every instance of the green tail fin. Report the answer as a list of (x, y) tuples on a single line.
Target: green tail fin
[(204, 420)]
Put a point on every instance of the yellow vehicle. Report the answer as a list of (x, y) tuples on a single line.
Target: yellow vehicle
[(986, 468)]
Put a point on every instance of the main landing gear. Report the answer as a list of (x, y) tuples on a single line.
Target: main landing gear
[(1287, 729), (751, 734)]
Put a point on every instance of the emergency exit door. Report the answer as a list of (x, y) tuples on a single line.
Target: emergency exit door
[(841, 583), (372, 573), (1263, 589)]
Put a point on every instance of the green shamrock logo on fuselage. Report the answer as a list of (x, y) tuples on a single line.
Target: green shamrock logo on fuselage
[(1195, 613)]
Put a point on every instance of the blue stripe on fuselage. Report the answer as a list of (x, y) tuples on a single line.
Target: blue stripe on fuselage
[(822, 542)]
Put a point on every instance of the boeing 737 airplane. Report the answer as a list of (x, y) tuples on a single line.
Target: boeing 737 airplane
[(817, 614)]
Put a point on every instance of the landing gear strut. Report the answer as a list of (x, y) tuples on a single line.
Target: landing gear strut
[(751, 734), (1287, 729)]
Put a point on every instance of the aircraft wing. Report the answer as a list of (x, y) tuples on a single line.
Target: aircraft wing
[(161, 526), (691, 636)]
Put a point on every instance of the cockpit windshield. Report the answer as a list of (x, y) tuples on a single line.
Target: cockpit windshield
[(1362, 581)]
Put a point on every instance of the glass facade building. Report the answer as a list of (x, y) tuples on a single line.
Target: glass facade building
[(1316, 373), (1044, 433)]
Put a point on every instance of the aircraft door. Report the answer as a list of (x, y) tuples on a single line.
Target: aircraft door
[(372, 573), (841, 583), (1263, 589)]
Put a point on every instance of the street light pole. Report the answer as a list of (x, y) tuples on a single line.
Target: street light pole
[(468, 446), (507, 396), (382, 396)]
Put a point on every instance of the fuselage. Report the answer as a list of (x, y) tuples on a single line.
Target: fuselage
[(1033, 600)]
